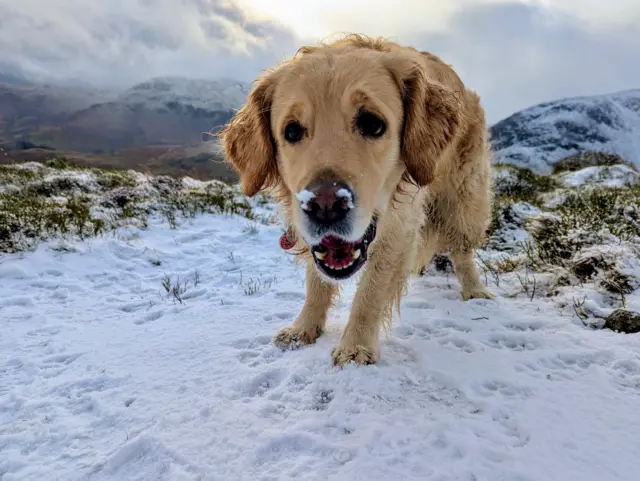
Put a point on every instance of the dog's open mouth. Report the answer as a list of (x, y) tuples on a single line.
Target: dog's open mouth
[(339, 259)]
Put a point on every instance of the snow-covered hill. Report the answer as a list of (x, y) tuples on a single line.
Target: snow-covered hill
[(539, 136), (211, 95), (145, 354), (32, 106), (161, 111), (176, 111), (9, 74)]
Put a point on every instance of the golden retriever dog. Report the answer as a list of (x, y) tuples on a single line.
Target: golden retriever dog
[(379, 157)]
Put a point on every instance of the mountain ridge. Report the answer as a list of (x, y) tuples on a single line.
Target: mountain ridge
[(164, 116), (161, 111), (541, 135)]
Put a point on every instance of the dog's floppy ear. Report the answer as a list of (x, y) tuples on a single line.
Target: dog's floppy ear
[(247, 140), (431, 118)]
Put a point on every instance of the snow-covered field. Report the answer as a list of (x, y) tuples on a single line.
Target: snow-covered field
[(148, 356)]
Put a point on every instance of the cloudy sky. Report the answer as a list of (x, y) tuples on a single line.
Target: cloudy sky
[(514, 53)]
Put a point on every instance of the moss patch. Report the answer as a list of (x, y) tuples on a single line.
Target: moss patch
[(622, 320), (594, 209), (25, 216), (214, 198), (115, 179), (37, 204), (513, 183), (10, 175), (588, 159)]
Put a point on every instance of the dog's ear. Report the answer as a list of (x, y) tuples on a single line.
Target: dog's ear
[(431, 118), (247, 140)]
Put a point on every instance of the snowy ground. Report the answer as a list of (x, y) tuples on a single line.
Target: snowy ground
[(104, 376)]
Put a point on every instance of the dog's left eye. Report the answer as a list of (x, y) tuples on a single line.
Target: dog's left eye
[(370, 125), (293, 132)]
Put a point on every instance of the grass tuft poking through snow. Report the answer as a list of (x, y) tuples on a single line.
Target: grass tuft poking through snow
[(137, 314), (561, 240)]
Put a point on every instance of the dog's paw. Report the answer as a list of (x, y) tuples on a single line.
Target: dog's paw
[(359, 354), (478, 292), (294, 337)]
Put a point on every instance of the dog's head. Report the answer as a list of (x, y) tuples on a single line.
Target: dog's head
[(337, 129)]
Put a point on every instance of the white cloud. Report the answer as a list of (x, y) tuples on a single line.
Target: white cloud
[(520, 54), (123, 41), (598, 14), (320, 18), (515, 53)]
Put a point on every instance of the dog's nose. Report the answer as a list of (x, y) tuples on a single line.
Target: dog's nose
[(327, 202)]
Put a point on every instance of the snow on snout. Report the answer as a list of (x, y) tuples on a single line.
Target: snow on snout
[(305, 196), (345, 194)]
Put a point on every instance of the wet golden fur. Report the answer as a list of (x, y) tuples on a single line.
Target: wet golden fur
[(427, 178)]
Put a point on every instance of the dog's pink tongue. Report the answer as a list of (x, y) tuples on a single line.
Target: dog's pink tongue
[(331, 242), (339, 253)]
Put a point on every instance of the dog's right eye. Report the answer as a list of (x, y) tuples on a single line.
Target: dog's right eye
[(370, 125), (293, 132)]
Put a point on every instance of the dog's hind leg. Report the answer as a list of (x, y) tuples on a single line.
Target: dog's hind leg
[(468, 275), (426, 249)]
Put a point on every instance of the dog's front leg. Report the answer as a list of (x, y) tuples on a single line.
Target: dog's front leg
[(381, 285), (313, 317)]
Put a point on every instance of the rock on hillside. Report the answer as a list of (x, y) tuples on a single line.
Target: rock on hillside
[(541, 135)]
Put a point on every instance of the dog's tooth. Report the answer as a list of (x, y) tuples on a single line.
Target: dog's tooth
[(356, 254), (320, 255)]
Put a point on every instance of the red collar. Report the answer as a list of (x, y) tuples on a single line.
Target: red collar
[(287, 241)]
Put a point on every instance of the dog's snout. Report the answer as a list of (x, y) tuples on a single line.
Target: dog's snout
[(329, 202)]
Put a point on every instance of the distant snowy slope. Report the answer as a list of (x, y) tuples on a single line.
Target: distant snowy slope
[(9, 74), (539, 136), (211, 95), (171, 111)]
